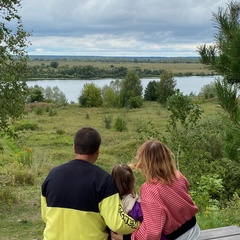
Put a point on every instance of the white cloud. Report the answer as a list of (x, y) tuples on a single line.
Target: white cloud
[(119, 27)]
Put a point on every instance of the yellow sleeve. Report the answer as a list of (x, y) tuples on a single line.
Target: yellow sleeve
[(43, 208), (111, 209)]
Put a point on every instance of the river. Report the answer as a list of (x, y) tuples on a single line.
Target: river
[(72, 88)]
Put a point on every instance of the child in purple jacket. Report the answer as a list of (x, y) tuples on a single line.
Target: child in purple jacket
[(124, 179)]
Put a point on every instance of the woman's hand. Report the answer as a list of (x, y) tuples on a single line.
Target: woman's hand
[(116, 236)]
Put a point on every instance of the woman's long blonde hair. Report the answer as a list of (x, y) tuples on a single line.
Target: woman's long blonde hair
[(156, 162)]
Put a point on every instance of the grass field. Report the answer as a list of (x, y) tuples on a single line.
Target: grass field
[(46, 141)]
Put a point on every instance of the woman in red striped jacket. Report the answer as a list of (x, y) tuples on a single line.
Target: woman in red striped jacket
[(165, 200)]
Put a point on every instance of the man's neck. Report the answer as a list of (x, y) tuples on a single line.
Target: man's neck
[(87, 158)]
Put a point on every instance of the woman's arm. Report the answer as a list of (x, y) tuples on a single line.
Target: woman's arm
[(153, 215)]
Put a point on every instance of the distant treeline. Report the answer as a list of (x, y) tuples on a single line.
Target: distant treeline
[(54, 71), (116, 59)]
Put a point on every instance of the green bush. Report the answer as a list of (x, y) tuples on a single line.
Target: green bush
[(91, 96), (107, 119), (60, 131), (7, 195), (26, 125), (208, 91), (38, 111), (52, 112), (120, 124)]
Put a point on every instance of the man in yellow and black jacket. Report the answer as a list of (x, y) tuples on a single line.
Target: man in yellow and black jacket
[(79, 200)]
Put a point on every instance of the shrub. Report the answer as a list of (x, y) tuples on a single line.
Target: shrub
[(7, 195), (60, 132), (208, 91), (120, 124), (24, 157), (165, 87), (107, 119), (26, 125), (91, 96), (52, 112), (38, 111), (21, 175)]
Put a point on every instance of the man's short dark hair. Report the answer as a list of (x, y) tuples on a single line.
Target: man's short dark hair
[(87, 141)]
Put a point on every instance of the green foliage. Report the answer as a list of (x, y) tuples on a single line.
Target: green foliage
[(38, 110), (107, 119), (87, 116), (166, 87), (111, 95), (91, 96), (228, 99), (208, 91), (24, 157), (20, 174), (195, 143), (131, 91), (229, 170), (39, 94), (54, 64), (120, 124), (35, 94), (54, 95), (227, 215), (26, 125), (208, 192), (52, 112), (7, 195), (223, 56), (150, 93), (135, 102), (13, 63), (183, 110), (60, 131)]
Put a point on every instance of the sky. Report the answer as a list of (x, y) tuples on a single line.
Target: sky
[(147, 28)]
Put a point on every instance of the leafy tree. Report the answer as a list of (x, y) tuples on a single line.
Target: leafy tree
[(54, 64), (183, 110), (110, 98), (36, 94), (208, 91), (55, 95), (91, 96), (197, 142), (58, 96), (48, 93), (223, 56), (131, 91), (13, 63), (166, 87), (111, 94), (150, 93)]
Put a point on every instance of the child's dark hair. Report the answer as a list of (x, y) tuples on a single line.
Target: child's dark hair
[(124, 179)]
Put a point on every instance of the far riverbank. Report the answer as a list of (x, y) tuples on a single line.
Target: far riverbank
[(72, 88)]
